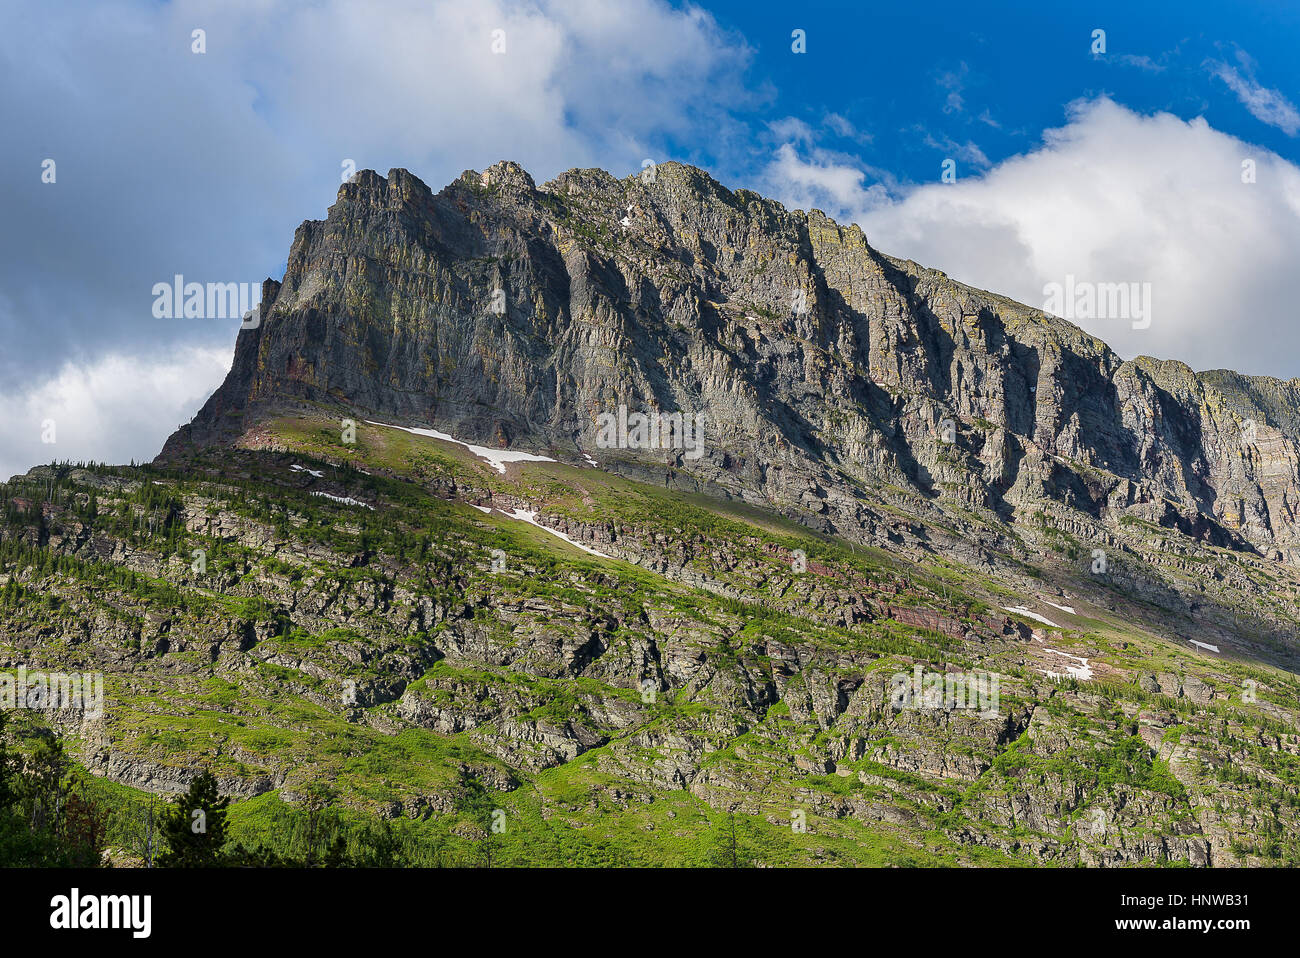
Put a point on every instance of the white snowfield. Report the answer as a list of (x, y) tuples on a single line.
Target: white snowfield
[(497, 457), (345, 500), (531, 519), (297, 468), (1021, 610), (1083, 671), (1204, 645), (1064, 608)]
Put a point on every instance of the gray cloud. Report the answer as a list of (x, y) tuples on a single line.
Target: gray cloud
[(170, 161)]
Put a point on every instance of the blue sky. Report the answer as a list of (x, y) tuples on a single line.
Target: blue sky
[(1125, 166), (997, 75)]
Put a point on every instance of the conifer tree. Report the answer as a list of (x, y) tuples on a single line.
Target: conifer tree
[(195, 826)]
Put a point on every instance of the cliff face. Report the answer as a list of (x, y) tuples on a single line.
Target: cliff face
[(514, 315)]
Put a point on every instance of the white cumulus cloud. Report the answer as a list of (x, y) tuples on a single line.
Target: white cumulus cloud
[(112, 409), (1111, 197)]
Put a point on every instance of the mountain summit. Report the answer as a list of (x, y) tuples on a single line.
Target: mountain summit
[(513, 315)]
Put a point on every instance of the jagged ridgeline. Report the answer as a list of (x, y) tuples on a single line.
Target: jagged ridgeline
[(642, 521)]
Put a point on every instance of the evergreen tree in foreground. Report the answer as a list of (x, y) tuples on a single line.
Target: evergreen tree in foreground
[(195, 826)]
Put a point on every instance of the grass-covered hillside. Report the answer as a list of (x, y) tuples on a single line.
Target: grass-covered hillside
[(391, 644)]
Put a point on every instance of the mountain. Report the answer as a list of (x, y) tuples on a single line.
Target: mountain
[(415, 549), (823, 366)]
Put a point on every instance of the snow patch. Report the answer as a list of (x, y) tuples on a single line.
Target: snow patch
[(345, 500), (1204, 645), (497, 457), (531, 519), (297, 468), (483, 509), (1063, 608), (1082, 671), (1021, 610)]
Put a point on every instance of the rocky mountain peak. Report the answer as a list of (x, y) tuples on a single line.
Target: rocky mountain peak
[(510, 314), (399, 187), (507, 175)]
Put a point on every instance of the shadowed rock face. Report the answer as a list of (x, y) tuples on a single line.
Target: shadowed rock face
[(508, 314)]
